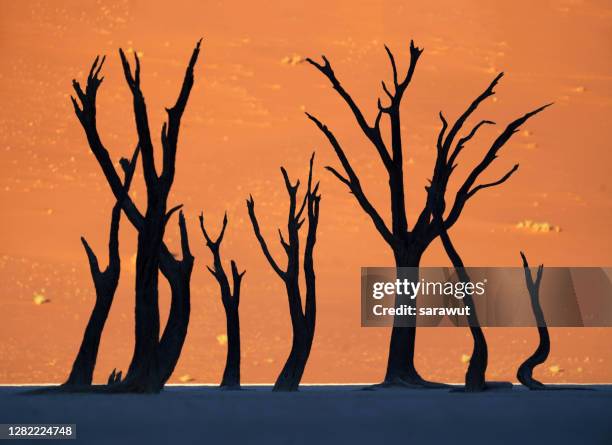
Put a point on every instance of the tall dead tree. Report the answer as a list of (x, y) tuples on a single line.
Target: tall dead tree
[(105, 283), (303, 317), (231, 300), (409, 243), (145, 371), (525, 371)]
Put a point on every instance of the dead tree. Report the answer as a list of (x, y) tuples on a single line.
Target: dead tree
[(475, 375), (408, 243), (105, 284), (146, 368), (525, 371), (302, 317), (231, 300)]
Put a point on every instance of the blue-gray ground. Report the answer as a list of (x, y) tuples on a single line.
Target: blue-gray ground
[(317, 415)]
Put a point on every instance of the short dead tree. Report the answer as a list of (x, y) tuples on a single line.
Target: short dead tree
[(231, 300)]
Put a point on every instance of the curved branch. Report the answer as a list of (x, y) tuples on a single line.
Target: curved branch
[(262, 242)]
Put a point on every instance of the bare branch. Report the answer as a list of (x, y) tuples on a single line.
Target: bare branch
[(393, 67), (464, 140), (533, 285), (214, 245), (262, 242), (237, 279), (489, 91), (386, 90), (353, 182), (171, 212), (142, 121), (291, 189), (170, 132), (338, 175), (186, 251), (282, 241), (372, 133), (442, 131), (299, 213), (494, 183), (93, 259)]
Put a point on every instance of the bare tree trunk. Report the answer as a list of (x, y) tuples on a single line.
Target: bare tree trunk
[(291, 374), (477, 368), (400, 364), (231, 301), (231, 373), (105, 283), (178, 274), (143, 373), (525, 371), (303, 320)]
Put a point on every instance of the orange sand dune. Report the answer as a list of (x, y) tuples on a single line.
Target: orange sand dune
[(245, 118)]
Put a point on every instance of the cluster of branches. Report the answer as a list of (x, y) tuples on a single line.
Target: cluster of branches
[(409, 243)]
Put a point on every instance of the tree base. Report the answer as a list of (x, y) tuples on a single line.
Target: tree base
[(403, 383), (488, 386)]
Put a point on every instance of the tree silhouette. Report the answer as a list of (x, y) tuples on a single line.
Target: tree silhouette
[(409, 243), (105, 284), (475, 375), (151, 360), (302, 317), (525, 371), (231, 300)]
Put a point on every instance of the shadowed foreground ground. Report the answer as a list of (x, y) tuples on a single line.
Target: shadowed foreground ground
[(331, 414)]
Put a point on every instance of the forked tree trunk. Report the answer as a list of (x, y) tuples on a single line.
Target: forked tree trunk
[(525, 371), (303, 319)]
